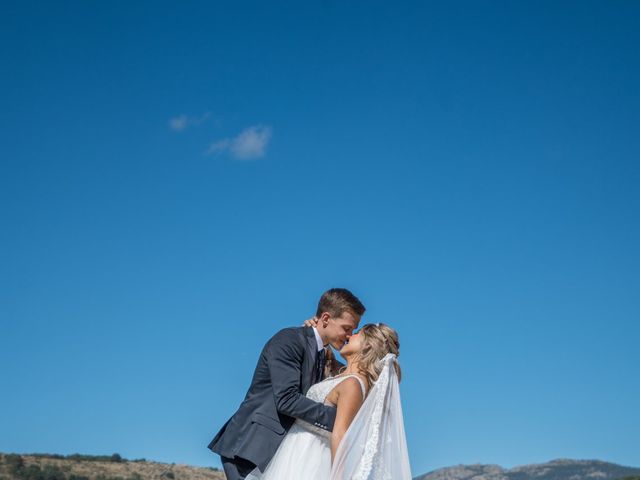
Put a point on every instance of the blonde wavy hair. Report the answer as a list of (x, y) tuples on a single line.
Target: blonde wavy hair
[(378, 340)]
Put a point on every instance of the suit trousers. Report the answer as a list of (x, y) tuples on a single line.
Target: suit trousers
[(236, 468)]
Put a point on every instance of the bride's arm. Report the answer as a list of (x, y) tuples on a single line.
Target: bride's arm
[(349, 400)]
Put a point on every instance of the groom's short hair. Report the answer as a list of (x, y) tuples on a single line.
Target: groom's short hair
[(337, 300)]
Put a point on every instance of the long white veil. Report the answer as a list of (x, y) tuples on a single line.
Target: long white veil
[(375, 446)]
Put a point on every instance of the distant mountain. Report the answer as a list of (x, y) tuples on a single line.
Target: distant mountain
[(561, 469)]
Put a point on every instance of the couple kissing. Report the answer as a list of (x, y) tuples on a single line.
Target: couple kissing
[(307, 416)]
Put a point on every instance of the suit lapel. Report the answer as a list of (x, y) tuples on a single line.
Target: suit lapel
[(309, 377)]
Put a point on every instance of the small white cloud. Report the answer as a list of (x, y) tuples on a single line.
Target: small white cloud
[(250, 143), (219, 146), (178, 123), (182, 122)]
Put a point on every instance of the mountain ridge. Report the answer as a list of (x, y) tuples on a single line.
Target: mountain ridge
[(90, 467), (557, 469)]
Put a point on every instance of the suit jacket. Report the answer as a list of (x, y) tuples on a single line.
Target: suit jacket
[(276, 397)]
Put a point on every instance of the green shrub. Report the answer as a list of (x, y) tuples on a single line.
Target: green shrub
[(77, 477), (96, 458), (14, 462), (52, 472)]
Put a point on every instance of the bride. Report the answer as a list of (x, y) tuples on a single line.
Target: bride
[(368, 440)]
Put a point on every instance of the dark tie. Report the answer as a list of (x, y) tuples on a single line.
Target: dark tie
[(320, 361)]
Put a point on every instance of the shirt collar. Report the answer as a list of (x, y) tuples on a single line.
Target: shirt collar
[(318, 339)]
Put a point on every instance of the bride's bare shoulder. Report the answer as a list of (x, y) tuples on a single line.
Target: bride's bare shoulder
[(353, 384)]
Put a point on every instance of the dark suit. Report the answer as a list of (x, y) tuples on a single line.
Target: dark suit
[(285, 371)]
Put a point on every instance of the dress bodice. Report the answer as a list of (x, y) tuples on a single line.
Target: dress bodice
[(319, 393)]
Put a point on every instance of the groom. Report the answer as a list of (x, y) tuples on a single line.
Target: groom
[(290, 362)]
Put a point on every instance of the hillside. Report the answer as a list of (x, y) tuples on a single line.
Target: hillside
[(86, 467)]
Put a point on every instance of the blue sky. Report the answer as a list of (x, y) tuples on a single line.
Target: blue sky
[(180, 181)]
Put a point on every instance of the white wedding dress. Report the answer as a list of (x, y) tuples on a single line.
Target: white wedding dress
[(305, 451), (373, 448)]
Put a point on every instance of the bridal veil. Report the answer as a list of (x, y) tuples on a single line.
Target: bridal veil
[(375, 446)]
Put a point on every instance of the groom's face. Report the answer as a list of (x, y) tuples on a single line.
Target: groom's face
[(339, 329)]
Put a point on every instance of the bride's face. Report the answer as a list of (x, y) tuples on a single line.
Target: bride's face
[(353, 345)]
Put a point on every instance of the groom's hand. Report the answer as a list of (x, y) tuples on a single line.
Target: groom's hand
[(312, 322)]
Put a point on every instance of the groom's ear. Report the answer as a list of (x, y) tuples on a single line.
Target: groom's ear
[(324, 319)]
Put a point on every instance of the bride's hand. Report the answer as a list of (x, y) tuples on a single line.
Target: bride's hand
[(312, 322)]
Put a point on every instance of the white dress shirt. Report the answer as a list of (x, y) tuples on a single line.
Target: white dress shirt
[(318, 339)]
